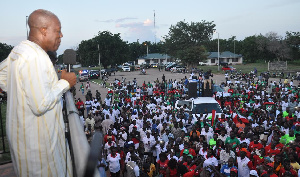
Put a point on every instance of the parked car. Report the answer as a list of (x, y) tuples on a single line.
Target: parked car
[(94, 74), (154, 65), (137, 67), (126, 68), (83, 76), (168, 68), (223, 63), (177, 68), (145, 65), (110, 70), (228, 68)]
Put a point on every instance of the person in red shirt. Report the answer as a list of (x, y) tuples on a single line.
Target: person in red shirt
[(259, 158), (80, 106), (109, 135), (287, 168), (172, 168), (191, 151), (227, 103), (274, 148), (162, 164), (255, 144), (269, 170), (189, 164)]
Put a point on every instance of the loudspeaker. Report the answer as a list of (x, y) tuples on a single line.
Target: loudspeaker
[(192, 90)]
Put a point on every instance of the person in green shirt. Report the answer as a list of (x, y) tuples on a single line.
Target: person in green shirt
[(213, 141), (288, 138), (232, 140)]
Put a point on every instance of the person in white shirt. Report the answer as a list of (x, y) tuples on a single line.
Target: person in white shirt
[(149, 141), (108, 145), (88, 105), (284, 105), (244, 164), (210, 159), (122, 137), (203, 150), (107, 101), (113, 160), (208, 135)]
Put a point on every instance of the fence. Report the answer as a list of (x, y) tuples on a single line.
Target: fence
[(277, 66)]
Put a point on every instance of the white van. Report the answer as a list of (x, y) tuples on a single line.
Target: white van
[(200, 105), (83, 75), (126, 68)]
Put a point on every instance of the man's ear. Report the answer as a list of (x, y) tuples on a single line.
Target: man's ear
[(43, 30)]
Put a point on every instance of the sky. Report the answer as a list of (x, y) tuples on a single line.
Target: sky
[(134, 20)]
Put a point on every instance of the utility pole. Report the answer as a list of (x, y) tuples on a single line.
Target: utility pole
[(27, 25), (99, 60), (154, 28)]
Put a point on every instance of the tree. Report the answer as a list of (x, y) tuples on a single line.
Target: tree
[(293, 41), (193, 55), (113, 50), (4, 50), (277, 46), (135, 50), (250, 50), (184, 38)]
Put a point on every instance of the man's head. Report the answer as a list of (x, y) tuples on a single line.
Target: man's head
[(45, 29)]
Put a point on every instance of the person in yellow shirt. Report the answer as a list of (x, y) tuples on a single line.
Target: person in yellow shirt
[(294, 163)]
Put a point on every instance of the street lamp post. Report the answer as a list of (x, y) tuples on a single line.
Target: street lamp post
[(99, 60), (234, 48), (147, 48), (218, 51)]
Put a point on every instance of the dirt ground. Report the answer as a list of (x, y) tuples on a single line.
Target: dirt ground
[(151, 75)]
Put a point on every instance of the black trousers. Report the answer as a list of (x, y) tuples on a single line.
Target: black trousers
[(115, 174)]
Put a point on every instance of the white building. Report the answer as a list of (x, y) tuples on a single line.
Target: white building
[(154, 58), (225, 57)]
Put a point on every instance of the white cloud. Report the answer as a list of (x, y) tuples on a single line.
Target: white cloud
[(148, 22)]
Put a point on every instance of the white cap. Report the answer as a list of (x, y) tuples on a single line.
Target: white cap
[(254, 172)]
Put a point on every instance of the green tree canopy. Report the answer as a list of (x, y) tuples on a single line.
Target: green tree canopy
[(184, 38), (113, 50), (4, 50), (293, 41)]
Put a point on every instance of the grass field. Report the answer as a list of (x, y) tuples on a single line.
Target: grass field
[(247, 68)]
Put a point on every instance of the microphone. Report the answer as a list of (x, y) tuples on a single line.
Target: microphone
[(69, 58)]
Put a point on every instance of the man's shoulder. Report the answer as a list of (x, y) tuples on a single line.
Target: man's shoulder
[(27, 50)]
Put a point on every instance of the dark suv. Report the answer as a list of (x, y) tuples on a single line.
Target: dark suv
[(94, 74)]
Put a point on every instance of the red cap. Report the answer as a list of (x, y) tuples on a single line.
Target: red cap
[(234, 170), (244, 149), (271, 165)]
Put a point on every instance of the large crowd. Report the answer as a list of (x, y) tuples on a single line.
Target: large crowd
[(145, 134)]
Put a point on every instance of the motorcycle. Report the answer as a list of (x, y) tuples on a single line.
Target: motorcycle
[(104, 76), (143, 72)]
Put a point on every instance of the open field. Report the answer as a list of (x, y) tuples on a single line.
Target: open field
[(245, 68)]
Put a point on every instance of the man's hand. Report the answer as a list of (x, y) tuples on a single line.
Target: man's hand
[(70, 77)]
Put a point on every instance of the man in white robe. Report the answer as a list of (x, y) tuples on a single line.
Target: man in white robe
[(34, 122)]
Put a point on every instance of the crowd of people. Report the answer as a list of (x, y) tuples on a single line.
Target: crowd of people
[(145, 134)]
